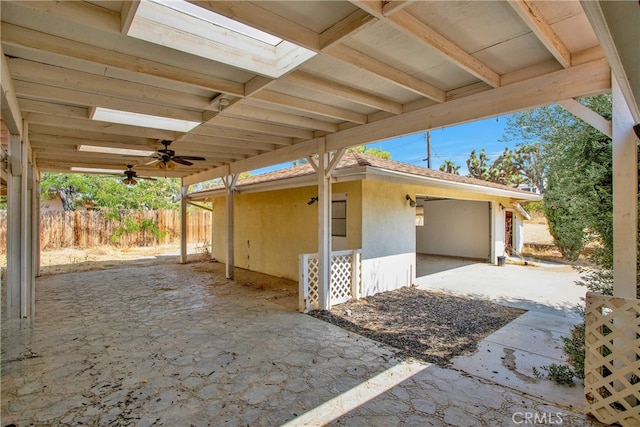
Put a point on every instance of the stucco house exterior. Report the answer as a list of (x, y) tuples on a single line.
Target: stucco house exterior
[(387, 210)]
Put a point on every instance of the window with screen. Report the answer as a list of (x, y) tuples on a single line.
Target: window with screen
[(339, 218)]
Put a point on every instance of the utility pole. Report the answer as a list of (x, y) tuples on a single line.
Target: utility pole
[(429, 149)]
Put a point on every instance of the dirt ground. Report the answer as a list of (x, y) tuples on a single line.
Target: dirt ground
[(69, 260), (426, 325), (536, 230)]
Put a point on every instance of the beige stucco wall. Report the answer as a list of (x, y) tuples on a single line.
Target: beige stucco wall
[(273, 228), (388, 236)]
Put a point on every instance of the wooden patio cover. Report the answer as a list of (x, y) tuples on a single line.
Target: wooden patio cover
[(351, 72)]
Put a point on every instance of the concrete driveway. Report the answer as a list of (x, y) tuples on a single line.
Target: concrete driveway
[(180, 345), (543, 287), (533, 340)]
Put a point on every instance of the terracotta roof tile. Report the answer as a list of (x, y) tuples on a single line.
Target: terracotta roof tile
[(352, 160)]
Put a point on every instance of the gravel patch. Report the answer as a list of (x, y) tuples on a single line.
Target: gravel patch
[(427, 325)]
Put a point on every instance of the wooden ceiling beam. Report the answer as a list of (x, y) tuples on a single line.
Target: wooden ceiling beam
[(40, 139), (13, 35), (296, 151), (390, 7), (270, 116), (412, 26), (328, 41), (98, 126), (345, 29), (36, 72), (308, 106), (306, 80), (11, 114), (212, 131), (92, 136), (44, 107), (588, 115), (583, 80), (222, 145), (70, 144), (373, 7), (127, 13), (68, 96), (260, 127), (393, 75), (533, 18)]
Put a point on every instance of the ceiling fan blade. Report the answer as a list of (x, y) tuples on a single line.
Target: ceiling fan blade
[(189, 158), (154, 161), (181, 161)]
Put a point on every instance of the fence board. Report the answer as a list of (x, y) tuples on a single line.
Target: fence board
[(85, 229)]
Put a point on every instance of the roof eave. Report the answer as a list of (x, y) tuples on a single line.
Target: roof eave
[(363, 172), (406, 178)]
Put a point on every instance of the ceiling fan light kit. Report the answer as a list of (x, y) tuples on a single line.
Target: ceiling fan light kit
[(166, 159)]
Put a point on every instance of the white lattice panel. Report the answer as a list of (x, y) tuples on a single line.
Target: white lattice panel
[(345, 279), (612, 365), (340, 278)]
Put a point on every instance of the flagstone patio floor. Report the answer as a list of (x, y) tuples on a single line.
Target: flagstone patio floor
[(180, 345)]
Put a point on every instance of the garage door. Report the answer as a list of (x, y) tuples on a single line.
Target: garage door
[(454, 228)]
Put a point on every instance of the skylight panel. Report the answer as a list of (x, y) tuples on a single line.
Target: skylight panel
[(198, 31), (143, 120), (222, 21), (114, 150), (96, 170)]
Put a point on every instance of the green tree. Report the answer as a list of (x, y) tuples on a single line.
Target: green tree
[(109, 192), (478, 165), (374, 151), (449, 166), (530, 164), (502, 170), (578, 199)]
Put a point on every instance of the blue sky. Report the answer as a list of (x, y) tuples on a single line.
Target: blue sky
[(450, 143)]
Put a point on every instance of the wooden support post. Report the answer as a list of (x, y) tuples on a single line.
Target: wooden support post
[(230, 185), (184, 189), (14, 207), (324, 229), (26, 272), (324, 167), (35, 214), (213, 228), (625, 198)]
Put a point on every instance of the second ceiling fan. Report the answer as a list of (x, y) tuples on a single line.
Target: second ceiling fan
[(166, 158)]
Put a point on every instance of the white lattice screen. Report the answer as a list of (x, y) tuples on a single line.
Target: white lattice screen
[(345, 279), (612, 365)]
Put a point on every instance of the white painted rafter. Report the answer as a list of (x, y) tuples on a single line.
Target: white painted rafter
[(530, 14), (10, 109), (411, 25), (586, 79)]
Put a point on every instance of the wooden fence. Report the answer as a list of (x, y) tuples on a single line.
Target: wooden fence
[(130, 228)]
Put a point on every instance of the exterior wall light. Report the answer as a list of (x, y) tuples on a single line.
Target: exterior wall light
[(412, 202)]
